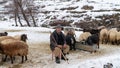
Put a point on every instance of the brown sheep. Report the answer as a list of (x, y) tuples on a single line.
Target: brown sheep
[(10, 37), (112, 35), (118, 38), (13, 48), (84, 36), (22, 37), (6, 37), (104, 36)]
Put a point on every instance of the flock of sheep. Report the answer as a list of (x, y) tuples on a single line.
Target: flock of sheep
[(13, 46), (106, 36), (16, 45), (111, 36)]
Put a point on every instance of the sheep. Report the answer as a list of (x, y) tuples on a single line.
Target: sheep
[(93, 39), (4, 34), (70, 40), (103, 35), (15, 38), (22, 37), (84, 36), (112, 35), (12, 48), (6, 37), (118, 38)]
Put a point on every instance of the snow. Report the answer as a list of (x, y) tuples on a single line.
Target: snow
[(98, 5), (40, 54), (38, 39)]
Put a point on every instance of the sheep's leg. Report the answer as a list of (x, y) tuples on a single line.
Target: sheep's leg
[(5, 58), (25, 58), (22, 59), (98, 45), (11, 59), (2, 58), (14, 57)]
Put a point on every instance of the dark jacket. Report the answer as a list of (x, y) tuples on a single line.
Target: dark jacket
[(56, 39)]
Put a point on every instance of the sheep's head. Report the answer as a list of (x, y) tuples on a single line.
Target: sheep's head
[(24, 37), (5, 33)]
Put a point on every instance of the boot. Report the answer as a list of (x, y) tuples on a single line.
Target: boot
[(63, 57), (57, 60)]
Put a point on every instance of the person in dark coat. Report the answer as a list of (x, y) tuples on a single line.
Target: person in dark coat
[(58, 43), (70, 40)]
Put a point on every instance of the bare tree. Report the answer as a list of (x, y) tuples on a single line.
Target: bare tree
[(31, 11), (19, 2), (24, 9), (16, 13)]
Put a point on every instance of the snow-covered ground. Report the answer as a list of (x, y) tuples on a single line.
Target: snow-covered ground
[(40, 55), (38, 39)]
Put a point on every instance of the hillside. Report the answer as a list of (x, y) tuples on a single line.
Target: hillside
[(73, 12)]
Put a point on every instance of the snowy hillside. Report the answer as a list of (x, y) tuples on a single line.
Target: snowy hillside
[(72, 10)]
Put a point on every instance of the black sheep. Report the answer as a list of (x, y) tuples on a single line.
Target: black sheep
[(93, 39), (70, 40)]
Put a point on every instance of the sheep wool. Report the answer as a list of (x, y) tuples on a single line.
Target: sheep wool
[(13, 48), (112, 35), (103, 35), (84, 36), (118, 37), (5, 37)]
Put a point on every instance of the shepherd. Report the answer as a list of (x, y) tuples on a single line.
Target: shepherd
[(58, 44)]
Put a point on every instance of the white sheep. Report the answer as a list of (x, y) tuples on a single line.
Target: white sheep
[(118, 38), (84, 36), (104, 35), (112, 35)]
